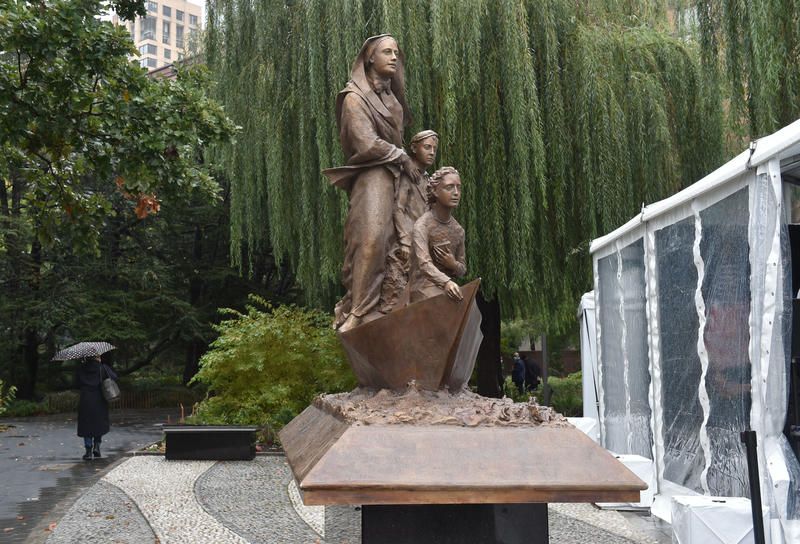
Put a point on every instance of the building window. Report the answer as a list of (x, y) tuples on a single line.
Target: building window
[(152, 6), (166, 11), (193, 20), (148, 28), (180, 56), (178, 15), (179, 36), (165, 32), (148, 62), (168, 54), (148, 49)]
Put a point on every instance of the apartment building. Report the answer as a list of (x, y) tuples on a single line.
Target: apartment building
[(163, 36)]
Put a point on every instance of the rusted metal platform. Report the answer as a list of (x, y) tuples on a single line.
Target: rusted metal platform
[(336, 462)]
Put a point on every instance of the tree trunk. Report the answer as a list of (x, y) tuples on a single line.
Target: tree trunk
[(489, 353), (30, 349), (194, 351), (196, 346), (30, 355)]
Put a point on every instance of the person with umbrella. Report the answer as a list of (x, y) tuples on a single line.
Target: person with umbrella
[(93, 419)]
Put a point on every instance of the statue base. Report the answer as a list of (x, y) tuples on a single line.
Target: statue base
[(436, 448), (455, 524)]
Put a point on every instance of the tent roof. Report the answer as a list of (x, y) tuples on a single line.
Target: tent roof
[(781, 144)]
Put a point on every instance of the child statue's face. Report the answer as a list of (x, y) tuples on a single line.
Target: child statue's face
[(425, 151), (448, 192)]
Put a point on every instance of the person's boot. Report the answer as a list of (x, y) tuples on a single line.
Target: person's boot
[(88, 455), (96, 450)]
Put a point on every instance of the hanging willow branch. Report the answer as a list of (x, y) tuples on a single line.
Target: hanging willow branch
[(756, 46), (562, 116)]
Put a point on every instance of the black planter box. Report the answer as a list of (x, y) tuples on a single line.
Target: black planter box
[(209, 443)]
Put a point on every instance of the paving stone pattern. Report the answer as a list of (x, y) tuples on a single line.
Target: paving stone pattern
[(147, 499), (164, 492), (250, 497), (104, 514)]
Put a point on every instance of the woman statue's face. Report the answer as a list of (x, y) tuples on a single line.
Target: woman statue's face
[(448, 192), (385, 58), (425, 150)]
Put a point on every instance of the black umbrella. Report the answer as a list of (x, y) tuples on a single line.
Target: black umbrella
[(83, 349)]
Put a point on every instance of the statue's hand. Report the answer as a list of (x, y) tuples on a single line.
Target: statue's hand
[(410, 168), (403, 253), (445, 258), (453, 290)]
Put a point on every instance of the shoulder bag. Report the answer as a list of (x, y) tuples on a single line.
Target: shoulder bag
[(108, 386)]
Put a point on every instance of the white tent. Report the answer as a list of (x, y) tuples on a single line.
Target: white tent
[(694, 321)]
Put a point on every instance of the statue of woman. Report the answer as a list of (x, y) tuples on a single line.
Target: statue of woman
[(438, 240), (371, 112)]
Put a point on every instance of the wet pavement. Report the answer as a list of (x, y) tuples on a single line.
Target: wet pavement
[(42, 473)]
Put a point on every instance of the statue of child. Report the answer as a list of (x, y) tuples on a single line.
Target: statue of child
[(410, 202), (438, 240)]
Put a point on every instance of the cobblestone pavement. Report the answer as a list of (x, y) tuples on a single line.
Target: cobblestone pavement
[(147, 499)]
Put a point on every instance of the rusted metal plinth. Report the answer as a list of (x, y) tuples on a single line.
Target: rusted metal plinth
[(337, 462)]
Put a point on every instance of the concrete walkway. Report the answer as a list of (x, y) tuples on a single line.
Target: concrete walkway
[(148, 499), (42, 471)]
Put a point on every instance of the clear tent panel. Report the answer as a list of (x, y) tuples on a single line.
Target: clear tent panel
[(725, 289), (682, 413), (611, 354), (624, 351), (637, 359)]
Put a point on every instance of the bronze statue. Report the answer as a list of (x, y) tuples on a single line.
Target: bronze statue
[(371, 112), (438, 250), (410, 202)]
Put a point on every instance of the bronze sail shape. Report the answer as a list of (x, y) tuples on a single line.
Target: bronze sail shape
[(433, 342)]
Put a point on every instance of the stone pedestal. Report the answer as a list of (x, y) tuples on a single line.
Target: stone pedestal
[(455, 524)]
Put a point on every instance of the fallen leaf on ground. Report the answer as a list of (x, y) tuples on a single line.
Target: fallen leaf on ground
[(8, 529), (52, 526), (20, 517)]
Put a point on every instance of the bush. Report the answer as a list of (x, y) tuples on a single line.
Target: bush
[(566, 394), (268, 364), (7, 394), (24, 408), (510, 390)]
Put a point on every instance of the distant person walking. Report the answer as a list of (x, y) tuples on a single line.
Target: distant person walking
[(531, 373), (518, 373), (93, 420)]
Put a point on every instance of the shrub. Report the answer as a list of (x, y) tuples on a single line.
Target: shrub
[(566, 394), (510, 390), (24, 408), (7, 394), (268, 364)]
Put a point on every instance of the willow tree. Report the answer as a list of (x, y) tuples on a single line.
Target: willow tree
[(754, 46), (563, 117)]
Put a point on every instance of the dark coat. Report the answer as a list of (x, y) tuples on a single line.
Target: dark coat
[(531, 374), (92, 407), (518, 373)]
